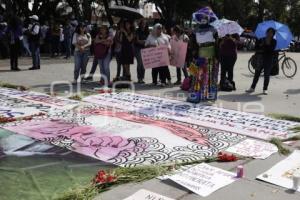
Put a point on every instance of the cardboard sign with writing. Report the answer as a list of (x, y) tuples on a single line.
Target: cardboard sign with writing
[(147, 195), (155, 57), (283, 172), (178, 53), (253, 148), (203, 179)]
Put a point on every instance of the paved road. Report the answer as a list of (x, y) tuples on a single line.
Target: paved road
[(283, 98), (284, 93)]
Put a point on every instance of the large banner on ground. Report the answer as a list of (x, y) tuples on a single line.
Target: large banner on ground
[(282, 173), (155, 57), (39, 98), (252, 125), (124, 139)]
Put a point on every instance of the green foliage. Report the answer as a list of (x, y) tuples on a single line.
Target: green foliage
[(285, 117)]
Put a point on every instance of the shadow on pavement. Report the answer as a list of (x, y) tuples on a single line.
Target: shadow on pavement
[(239, 97)]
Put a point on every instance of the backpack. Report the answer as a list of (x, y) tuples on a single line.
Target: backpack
[(186, 84)]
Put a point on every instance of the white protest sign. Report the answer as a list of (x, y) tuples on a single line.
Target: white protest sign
[(155, 57), (253, 148), (147, 195), (282, 173), (203, 179)]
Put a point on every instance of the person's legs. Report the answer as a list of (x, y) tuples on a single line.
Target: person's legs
[(94, 68), (68, 47), (106, 66), (12, 57), (256, 78), (140, 66), (126, 68), (178, 73), (167, 73), (163, 71), (33, 49), (223, 71), (230, 71), (119, 65), (38, 57), (185, 72), (77, 61), (230, 68), (268, 64), (102, 70), (155, 75), (84, 62)]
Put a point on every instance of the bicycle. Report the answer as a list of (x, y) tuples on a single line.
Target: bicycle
[(288, 65)]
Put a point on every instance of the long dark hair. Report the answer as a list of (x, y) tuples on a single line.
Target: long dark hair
[(131, 29), (80, 25)]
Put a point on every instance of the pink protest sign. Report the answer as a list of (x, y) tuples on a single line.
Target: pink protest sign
[(178, 53), (155, 57)]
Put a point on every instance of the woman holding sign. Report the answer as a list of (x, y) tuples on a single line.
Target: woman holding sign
[(127, 52), (155, 39), (179, 35)]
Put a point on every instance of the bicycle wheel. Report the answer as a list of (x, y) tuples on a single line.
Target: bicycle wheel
[(289, 67), (250, 67)]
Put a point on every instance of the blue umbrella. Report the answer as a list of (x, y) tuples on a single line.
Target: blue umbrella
[(283, 35)]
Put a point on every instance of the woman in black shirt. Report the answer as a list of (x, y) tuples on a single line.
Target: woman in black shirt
[(266, 47)]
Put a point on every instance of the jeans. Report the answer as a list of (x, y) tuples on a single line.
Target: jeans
[(94, 67), (104, 67), (81, 60), (227, 66), (267, 66), (140, 66), (35, 54), (14, 54)]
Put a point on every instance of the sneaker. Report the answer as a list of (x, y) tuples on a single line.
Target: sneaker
[(89, 78), (265, 92), (251, 90), (154, 84)]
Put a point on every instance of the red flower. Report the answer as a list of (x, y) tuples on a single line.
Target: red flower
[(110, 179), (223, 157)]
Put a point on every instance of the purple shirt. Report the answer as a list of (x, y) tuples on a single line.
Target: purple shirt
[(228, 47)]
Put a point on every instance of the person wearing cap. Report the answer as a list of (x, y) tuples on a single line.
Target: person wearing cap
[(155, 39), (34, 32)]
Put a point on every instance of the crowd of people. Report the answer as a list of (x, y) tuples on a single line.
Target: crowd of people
[(124, 41)]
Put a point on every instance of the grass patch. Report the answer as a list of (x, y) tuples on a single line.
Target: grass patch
[(279, 144), (285, 117), (12, 86)]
